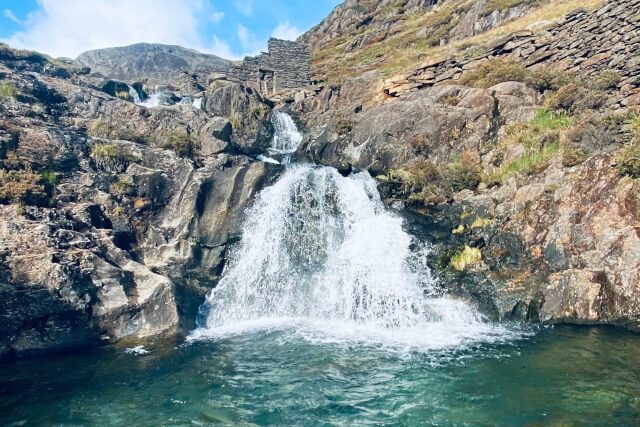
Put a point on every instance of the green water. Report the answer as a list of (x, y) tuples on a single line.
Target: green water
[(562, 375)]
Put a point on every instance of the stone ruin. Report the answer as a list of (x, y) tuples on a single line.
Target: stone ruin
[(287, 65)]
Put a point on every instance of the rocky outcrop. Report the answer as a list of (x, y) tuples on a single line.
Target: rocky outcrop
[(249, 113), (563, 247), (116, 218), (159, 64), (66, 284), (351, 15), (437, 123)]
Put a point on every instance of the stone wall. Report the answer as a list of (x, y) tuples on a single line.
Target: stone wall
[(585, 43), (286, 66)]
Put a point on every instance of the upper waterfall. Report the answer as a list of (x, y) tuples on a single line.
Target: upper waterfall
[(286, 139), (134, 95)]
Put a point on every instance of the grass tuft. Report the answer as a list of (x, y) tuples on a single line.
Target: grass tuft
[(468, 256)]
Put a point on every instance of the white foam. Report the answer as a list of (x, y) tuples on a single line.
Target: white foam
[(137, 350), (151, 101)]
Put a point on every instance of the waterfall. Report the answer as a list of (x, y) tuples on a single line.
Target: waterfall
[(165, 97), (134, 95), (321, 251), (286, 138)]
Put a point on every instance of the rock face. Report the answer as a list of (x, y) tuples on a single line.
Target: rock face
[(65, 283), (351, 15), (562, 248), (250, 115), (389, 135), (129, 229), (588, 43), (156, 62)]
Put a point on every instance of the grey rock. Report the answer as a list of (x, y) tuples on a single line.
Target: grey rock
[(155, 62)]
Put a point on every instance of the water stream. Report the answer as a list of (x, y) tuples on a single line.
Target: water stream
[(327, 314)]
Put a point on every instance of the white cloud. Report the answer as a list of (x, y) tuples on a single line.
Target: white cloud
[(251, 45), (67, 28), (216, 17), (286, 32), (245, 7), (222, 49), (243, 35), (9, 14)]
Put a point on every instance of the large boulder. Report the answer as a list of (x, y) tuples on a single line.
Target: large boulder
[(249, 114)]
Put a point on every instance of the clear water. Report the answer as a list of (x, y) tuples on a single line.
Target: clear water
[(560, 376)]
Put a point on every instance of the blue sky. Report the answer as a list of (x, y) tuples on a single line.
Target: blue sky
[(228, 28)]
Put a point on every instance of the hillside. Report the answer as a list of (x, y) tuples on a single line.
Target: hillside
[(392, 35)]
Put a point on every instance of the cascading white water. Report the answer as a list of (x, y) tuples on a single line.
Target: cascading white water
[(286, 138), (134, 95), (320, 252), (152, 101), (164, 98)]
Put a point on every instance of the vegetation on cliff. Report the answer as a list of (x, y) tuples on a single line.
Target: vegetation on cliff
[(392, 36)]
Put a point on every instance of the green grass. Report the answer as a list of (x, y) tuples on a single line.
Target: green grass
[(544, 126), (635, 123), (540, 137), (111, 157), (182, 143), (123, 187), (530, 163), (49, 177), (628, 159), (8, 90), (502, 5)]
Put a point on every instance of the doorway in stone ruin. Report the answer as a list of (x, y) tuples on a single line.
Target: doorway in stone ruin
[(267, 81)]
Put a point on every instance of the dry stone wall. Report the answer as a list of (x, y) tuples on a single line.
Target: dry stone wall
[(585, 43), (286, 66)]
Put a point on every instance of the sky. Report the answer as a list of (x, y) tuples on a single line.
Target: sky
[(227, 28)]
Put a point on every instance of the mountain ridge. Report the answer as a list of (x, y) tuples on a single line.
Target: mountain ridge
[(153, 61)]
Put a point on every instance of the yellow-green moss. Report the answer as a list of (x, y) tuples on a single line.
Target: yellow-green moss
[(468, 256), (182, 143), (100, 129), (458, 230), (122, 187), (481, 222), (628, 159)]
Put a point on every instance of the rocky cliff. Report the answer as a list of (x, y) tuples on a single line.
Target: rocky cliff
[(115, 218)]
